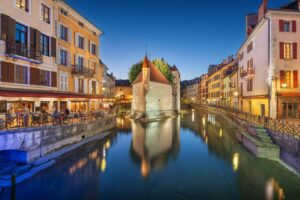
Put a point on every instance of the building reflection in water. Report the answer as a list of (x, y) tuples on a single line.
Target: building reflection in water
[(98, 156), (211, 119), (153, 144)]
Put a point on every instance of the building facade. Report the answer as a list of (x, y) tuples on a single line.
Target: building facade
[(39, 56), (123, 91), (189, 90)]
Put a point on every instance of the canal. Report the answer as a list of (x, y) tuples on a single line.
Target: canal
[(194, 156)]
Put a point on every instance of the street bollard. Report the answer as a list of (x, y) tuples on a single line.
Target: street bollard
[(13, 187)]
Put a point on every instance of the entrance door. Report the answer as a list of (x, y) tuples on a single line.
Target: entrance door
[(290, 109), (262, 110)]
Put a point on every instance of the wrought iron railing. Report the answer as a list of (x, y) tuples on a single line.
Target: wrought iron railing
[(18, 49), (82, 71), (247, 73), (284, 127)]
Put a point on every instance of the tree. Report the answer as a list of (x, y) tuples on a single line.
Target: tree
[(164, 68), (161, 64), (135, 71)]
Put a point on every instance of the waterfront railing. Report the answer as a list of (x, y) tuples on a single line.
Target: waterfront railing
[(285, 127)]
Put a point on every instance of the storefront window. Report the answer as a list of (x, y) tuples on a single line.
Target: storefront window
[(77, 106), (290, 109)]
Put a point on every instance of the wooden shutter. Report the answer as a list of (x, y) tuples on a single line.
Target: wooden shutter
[(53, 79), (281, 77), (295, 50), (32, 43), (12, 31), (35, 76), (295, 78), (53, 47), (5, 20), (294, 26), (7, 72), (281, 49), (281, 25)]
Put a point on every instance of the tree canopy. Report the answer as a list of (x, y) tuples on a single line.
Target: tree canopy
[(160, 63)]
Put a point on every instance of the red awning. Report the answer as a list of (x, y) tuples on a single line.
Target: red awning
[(45, 94)]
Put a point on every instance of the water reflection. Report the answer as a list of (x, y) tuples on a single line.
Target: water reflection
[(274, 190), (154, 143)]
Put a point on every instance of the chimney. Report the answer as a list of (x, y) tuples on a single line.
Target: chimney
[(263, 8), (251, 22)]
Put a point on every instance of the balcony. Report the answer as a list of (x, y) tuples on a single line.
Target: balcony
[(248, 73), (82, 71), (21, 51)]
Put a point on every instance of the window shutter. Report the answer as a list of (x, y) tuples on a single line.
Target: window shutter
[(281, 26), (7, 72), (35, 76), (295, 78), (32, 43), (85, 86), (53, 79), (70, 39), (38, 42), (295, 50), (281, 77), (294, 26), (281, 49), (76, 84), (5, 27), (11, 72), (53, 47)]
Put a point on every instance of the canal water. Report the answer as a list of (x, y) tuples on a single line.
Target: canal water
[(194, 156)]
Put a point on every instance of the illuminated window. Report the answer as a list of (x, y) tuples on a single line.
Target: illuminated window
[(287, 50), (45, 14), (23, 4), (285, 79), (287, 26)]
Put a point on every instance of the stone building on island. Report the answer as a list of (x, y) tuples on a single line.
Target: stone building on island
[(153, 94)]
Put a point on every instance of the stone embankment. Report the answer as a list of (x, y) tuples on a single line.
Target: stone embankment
[(38, 148)]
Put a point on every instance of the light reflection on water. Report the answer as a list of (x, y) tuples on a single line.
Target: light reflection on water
[(195, 155)]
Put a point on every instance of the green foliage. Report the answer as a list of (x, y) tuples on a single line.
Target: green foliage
[(162, 65), (135, 71)]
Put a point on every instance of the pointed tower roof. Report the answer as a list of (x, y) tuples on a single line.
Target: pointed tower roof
[(155, 74), (174, 68)]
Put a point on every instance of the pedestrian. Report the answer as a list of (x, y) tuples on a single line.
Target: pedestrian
[(26, 113)]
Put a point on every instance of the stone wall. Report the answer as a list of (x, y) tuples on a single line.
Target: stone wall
[(159, 97), (26, 145)]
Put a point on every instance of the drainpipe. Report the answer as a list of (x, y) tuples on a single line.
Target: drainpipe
[(269, 62)]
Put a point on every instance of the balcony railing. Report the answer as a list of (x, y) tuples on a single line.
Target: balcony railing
[(17, 49), (82, 71), (248, 73)]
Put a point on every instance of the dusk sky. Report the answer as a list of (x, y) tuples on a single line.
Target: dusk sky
[(188, 33)]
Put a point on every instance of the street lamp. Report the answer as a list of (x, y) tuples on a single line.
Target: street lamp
[(236, 93), (284, 85)]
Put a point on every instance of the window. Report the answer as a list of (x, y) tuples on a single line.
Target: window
[(286, 26), (81, 24), (93, 49), (63, 82), (287, 51), (80, 85), (46, 14), (94, 84), (45, 45), (21, 74), (80, 62), (23, 4), (80, 42), (285, 79), (63, 57), (250, 85), (250, 47), (45, 78), (64, 12), (63, 33), (290, 109), (21, 34)]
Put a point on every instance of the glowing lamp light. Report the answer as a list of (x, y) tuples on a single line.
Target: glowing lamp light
[(284, 85), (235, 162), (235, 93)]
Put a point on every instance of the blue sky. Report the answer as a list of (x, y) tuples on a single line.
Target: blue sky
[(188, 33)]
